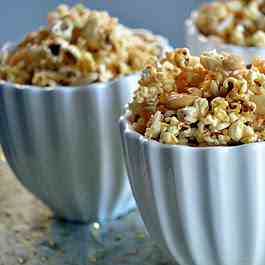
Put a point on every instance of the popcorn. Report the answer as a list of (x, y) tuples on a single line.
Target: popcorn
[(238, 22), (188, 115), (238, 35), (202, 107), (236, 130), (225, 106), (155, 127), (63, 28), (168, 138), (258, 39), (91, 45)]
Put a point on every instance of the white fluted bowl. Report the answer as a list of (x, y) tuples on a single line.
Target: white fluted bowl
[(198, 43), (63, 144), (204, 205)]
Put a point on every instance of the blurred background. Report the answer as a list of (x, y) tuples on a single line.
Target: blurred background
[(164, 17)]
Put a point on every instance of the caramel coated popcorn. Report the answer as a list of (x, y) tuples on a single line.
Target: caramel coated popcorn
[(78, 46), (240, 22), (213, 99)]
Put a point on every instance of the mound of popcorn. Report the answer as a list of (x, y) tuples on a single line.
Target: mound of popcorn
[(209, 100), (240, 22), (78, 46)]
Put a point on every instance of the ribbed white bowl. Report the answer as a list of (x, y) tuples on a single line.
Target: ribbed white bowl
[(198, 43), (64, 145), (204, 205)]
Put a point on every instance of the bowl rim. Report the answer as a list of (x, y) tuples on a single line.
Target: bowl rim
[(97, 85), (193, 30), (126, 128), (164, 42)]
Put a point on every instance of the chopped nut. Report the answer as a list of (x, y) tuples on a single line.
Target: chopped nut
[(176, 101)]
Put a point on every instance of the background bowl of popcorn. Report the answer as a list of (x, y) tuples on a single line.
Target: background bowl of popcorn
[(59, 128), (233, 26), (195, 157)]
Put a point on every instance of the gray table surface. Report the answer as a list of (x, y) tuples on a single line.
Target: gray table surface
[(29, 235)]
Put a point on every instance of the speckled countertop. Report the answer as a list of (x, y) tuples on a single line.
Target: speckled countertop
[(29, 235)]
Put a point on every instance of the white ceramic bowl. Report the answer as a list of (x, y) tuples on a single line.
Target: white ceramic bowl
[(203, 205), (198, 43), (64, 145)]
